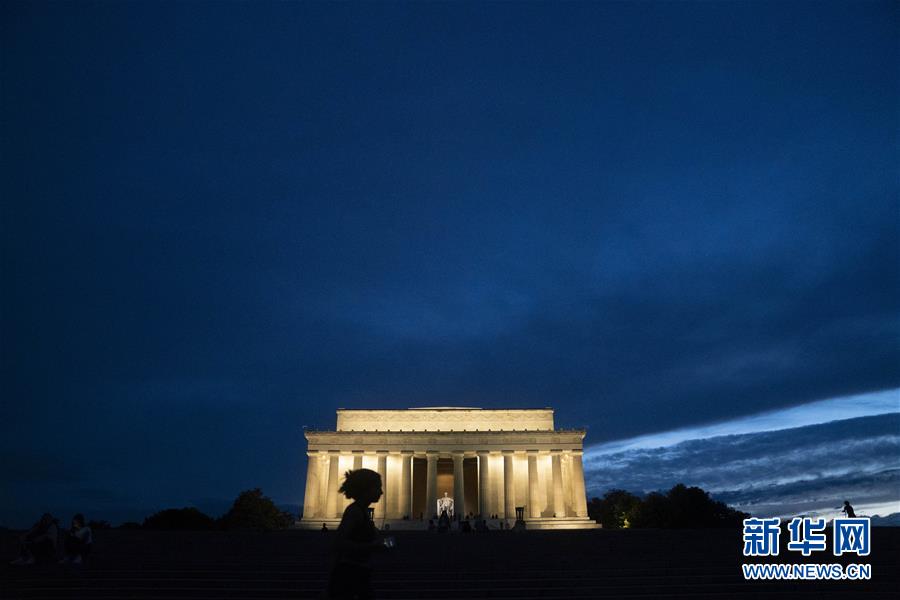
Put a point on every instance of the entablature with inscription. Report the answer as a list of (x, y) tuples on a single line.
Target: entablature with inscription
[(448, 442)]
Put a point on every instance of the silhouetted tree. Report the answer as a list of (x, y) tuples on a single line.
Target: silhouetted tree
[(130, 525), (252, 510), (180, 518), (615, 510), (685, 507), (651, 512)]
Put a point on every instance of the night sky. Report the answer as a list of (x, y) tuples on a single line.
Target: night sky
[(675, 223)]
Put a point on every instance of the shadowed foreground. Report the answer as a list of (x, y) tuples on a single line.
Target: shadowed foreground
[(564, 564)]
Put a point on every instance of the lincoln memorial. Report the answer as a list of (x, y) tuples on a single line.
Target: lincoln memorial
[(467, 461)]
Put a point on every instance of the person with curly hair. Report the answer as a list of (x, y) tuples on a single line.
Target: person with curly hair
[(357, 538)]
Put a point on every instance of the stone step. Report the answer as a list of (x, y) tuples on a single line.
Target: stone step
[(547, 565)]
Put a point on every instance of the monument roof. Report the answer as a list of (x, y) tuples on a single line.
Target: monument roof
[(445, 418)]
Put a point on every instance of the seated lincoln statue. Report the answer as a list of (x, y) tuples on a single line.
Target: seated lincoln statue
[(445, 504)]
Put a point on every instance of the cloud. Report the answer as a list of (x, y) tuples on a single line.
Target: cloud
[(688, 242), (870, 493), (823, 411), (813, 465)]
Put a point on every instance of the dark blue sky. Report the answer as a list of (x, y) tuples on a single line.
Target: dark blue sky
[(223, 221)]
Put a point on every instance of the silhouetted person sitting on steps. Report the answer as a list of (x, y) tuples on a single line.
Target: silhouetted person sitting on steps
[(38, 544), (357, 538), (78, 541)]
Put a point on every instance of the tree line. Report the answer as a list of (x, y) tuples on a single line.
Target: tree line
[(251, 510), (681, 507)]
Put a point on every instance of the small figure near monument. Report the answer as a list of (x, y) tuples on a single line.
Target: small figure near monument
[(444, 523), (848, 510)]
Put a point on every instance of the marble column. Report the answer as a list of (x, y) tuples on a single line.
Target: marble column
[(322, 468), (357, 461), (406, 485), (533, 510), (382, 470), (484, 505), (459, 491), (431, 488), (509, 487), (568, 495), (311, 495), (331, 507), (559, 505), (580, 493)]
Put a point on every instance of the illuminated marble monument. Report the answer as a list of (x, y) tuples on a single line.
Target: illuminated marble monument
[(487, 461)]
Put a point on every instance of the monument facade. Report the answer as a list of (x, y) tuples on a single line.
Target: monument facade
[(471, 461)]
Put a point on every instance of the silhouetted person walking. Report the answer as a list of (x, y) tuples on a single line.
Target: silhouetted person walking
[(357, 538), (848, 510)]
